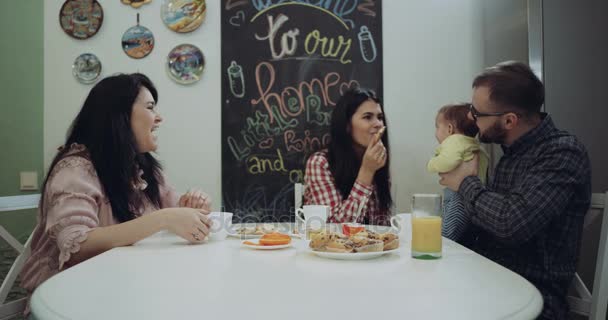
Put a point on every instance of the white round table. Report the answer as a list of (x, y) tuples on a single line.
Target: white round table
[(162, 277)]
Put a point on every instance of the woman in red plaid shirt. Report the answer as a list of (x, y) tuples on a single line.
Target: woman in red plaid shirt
[(352, 174)]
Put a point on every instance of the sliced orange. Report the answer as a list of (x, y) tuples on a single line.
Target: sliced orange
[(274, 242), (275, 235), (275, 239), (249, 243)]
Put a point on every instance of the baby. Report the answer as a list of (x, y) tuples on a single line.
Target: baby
[(456, 134)]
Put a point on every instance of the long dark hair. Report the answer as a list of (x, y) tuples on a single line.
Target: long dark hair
[(103, 126), (343, 161)]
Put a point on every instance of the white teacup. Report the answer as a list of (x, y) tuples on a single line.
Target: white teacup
[(312, 216), (402, 222), (222, 222)]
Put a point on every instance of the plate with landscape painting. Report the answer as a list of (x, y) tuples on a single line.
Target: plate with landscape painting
[(81, 19), (137, 42), (185, 64), (86, 68), (183, 15)]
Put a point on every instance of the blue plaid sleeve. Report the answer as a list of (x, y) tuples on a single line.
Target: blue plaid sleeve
[(545, 188)]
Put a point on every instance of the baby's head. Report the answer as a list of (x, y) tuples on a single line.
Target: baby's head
[(454, 118)]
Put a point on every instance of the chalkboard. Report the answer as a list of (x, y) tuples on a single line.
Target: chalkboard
[(284, 66)]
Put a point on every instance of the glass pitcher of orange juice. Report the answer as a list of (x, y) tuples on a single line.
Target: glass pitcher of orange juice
[(426, 226)]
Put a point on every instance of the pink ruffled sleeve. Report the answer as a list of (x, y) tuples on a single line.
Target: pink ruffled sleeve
[(73, 199)]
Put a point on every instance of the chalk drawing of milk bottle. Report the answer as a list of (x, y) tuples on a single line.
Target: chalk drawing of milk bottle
[(367, 45), (236, 80)]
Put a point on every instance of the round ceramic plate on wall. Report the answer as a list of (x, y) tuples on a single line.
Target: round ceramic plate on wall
[(185, 64), (137, 42), (86, 68), (183, 15), (81, 19), (136, 3)]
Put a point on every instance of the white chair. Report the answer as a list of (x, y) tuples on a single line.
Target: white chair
[(587, 304), (298, 192), (14, 203)]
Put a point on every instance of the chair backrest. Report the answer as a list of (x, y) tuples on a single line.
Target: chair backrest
[(14, 203), (599, 302), (298, 192), (588, 304)]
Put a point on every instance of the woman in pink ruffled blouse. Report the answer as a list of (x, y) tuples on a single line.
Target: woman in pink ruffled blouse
[(104, 188)]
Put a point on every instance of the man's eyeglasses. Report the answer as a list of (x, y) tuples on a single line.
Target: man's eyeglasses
[(476, 114)]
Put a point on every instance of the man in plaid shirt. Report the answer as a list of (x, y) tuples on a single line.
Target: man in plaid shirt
[(529, 218)]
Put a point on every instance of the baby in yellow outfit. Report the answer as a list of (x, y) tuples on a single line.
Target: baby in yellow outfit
[(455, 132)]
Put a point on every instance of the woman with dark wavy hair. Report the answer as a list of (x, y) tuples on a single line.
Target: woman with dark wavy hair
[(352, 174), (104, 188)]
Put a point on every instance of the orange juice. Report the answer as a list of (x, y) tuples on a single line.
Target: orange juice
[(426, 237)]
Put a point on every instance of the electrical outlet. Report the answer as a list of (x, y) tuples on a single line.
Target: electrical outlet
[(29, 180)]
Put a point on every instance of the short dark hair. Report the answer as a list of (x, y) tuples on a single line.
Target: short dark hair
[(458, 115), (513, 84)]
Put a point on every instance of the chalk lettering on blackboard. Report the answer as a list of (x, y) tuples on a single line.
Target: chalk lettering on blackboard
[(339, 8), (314, 113), (286, 63), (288, 39), (327, 47), (231, 4), (367, 7)]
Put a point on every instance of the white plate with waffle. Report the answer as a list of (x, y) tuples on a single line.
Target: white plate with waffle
[(255, 231), (256, 245), (352, 256)]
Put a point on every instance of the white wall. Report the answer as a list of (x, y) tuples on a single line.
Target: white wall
[(190, 135), (575, 62), (432, 51)]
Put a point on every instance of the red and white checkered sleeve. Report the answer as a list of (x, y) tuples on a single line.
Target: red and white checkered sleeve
[(321, 189)]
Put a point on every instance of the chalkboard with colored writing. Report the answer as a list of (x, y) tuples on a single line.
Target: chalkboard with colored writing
[(284, 66)]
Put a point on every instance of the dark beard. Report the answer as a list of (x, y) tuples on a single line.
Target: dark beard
[(494, 134)]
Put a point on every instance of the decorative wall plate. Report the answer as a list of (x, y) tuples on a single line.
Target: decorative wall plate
[(136, 3), (86, 68), (183, 15), (185, 64), (81, 19), (137, 41)]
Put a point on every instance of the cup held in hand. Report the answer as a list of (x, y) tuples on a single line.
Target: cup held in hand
[(221, 222)]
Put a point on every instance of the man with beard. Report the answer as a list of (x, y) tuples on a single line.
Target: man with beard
[(529, 217)]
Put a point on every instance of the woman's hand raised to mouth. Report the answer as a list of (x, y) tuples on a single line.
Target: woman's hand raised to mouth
[(374, 158)]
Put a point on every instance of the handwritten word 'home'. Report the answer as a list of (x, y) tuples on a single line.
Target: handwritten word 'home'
[(284, 98)]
